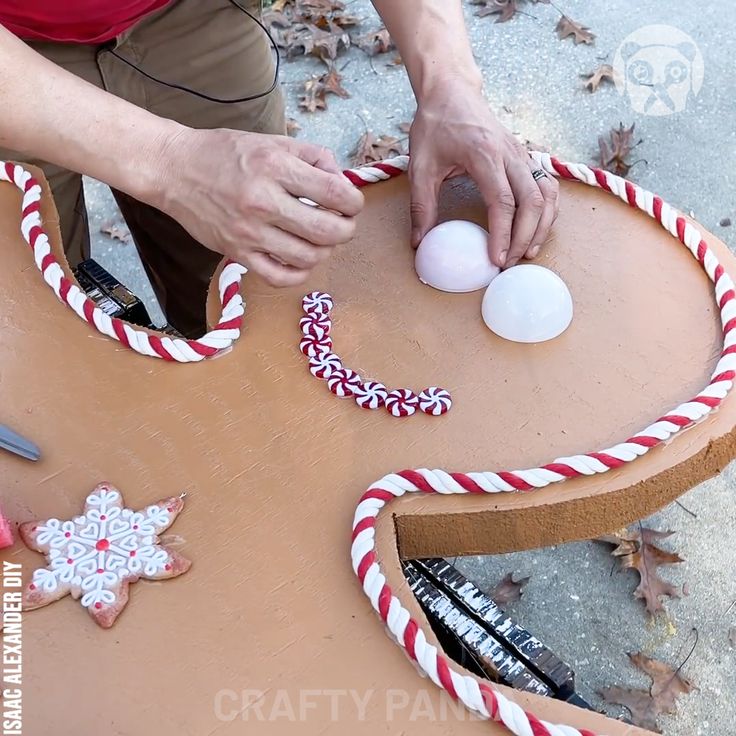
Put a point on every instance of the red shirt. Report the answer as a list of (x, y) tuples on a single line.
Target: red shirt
[(73, 21)]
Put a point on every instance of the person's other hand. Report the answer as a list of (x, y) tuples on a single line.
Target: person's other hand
[(237, 194), (454, 133)]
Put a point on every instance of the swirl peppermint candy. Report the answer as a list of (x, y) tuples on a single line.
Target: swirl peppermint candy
[(435, 401), (311, 346), (317, 302), (316, 325), (371, 395), (402, 402), (344, 383), (324, 365)]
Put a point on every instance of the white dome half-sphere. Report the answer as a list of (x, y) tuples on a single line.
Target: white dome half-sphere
[(527, 303), (453, 256)]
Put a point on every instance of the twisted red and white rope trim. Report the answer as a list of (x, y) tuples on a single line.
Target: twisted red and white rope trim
[(478, 695), (221, 337), (475, 694)]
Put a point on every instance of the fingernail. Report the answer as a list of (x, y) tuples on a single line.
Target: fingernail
[(534, 251), (502, 258)]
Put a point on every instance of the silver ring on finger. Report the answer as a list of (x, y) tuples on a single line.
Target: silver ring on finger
[(538, 174)]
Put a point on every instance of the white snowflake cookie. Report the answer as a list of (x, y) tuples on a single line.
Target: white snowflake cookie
[(95, 556)]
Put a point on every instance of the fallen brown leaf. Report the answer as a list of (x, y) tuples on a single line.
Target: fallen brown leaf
[(318, 87), (636, 550), (278, 6), (614, 153), (396, 61), (508, 590), (568, 27), (505, 9), (369, 149), (646, 706), (305, 38), (117, 231), (375, 42), (292, 127), (593, 80), (404, 127), (324, 13)]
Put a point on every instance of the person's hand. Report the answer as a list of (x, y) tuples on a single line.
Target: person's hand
[(237, 194), (454, 132)]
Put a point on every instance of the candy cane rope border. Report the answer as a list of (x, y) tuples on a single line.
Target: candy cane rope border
[(477, 695), (218, 339)]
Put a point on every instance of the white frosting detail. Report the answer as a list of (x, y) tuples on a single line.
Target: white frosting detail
[(90, 555)]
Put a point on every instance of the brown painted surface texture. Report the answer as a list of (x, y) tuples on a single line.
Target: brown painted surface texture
[(274, 465)]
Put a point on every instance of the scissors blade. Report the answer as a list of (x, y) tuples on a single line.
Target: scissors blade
[(13, 442)]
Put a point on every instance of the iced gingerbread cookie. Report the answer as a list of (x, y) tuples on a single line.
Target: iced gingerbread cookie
[(97, 555)]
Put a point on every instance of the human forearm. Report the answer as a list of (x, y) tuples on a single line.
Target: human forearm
[(433, 42), (53, 115), (454, 132)]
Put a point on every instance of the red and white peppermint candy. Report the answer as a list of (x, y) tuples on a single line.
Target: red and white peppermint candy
[(435, 401), (402, 402), (343, 383), (370, 395), (324, 365), (317, 302), (316, 325), (311, 346)]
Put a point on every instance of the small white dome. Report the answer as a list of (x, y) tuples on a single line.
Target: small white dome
[(527, 303)]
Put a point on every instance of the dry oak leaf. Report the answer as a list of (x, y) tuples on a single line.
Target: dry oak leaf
[(505, 9), (637, 550), (318, 12), (117, 231), (278, 6), (324, 13), (375, 42), (615, 152), (508, 590), (307, 38), (318, 87), (604, 73), (568, 27), (370, 148), (645, 707)]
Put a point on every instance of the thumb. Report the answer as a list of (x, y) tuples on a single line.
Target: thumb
[(425, 190)]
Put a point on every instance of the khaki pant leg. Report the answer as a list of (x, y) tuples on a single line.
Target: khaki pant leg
[(213, 48), (66, 186)]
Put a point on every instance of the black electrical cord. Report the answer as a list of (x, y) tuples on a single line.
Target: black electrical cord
[(202, 95)]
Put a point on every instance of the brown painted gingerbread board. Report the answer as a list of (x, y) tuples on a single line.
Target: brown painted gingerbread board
[(274, 465)]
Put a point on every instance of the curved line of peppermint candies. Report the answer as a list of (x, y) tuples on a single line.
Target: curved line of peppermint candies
[(221, 337), (324, 364), (478, 695)]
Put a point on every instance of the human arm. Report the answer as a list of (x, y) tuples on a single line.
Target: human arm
[(455, 132), (235, 192)]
